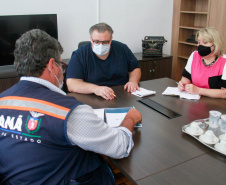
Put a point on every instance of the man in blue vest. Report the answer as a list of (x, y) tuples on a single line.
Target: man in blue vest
[(102, 63), (47, 137)]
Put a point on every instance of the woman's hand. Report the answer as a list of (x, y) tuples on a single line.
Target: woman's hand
[(192, 89), (181, 86)]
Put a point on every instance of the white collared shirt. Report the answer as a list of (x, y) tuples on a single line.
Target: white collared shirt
[(90, 132)]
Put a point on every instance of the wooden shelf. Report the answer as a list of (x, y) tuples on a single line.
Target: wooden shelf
[(187, 43), (190, 17), (194, 12), (183, 57), (191, 28)]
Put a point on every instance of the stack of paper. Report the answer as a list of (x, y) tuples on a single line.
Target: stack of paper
[(114, 116), (174, 91), (143, 92)]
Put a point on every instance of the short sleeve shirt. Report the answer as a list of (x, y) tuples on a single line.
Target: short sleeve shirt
[(213, 77), (85, 65)]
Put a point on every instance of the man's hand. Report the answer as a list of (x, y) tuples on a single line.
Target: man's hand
[(131, 87), (132, 117), (105, 92)]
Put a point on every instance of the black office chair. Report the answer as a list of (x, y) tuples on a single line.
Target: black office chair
[(80, 44), (65, 89)]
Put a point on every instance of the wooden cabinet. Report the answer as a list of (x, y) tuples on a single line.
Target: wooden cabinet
[(189, 17), (154, 67)]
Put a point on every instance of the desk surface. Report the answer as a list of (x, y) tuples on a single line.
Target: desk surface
[(162, 154)]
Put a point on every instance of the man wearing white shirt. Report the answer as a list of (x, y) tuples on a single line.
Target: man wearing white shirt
[(47, 137)]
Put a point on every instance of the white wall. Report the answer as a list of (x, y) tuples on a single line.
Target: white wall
[(131, 20)]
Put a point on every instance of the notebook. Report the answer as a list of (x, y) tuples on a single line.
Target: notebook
[(174, 91), (143, 92), (114, 116)]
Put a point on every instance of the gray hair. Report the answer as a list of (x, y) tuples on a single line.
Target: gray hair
[(33, 51), (101, 28)]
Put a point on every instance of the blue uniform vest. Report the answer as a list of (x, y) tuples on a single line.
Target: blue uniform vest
[(34, 148)]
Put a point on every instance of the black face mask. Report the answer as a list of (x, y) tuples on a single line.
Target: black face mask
[(204, 50)]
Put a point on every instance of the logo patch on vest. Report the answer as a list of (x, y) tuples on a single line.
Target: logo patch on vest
[(33, 123)]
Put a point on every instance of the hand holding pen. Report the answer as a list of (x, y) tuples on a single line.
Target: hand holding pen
[(180, 86)]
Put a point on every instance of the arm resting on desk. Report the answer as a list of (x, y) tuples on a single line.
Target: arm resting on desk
[(88, 131), (79, 86), (192, 89), (131, 119), (134, 78)]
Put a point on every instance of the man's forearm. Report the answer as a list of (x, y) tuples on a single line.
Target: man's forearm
[(135, 75), (79, 86), (128, 123)]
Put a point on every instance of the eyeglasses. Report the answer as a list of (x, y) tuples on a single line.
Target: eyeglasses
[(63, 66), (105, 42)]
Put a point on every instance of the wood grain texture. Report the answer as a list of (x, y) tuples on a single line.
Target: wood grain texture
[(160, 144)]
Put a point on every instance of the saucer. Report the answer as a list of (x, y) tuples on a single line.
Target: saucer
[(188, 130), (222, 137), (202, 138), (219, 148)]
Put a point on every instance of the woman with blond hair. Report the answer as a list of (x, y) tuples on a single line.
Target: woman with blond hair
[(205, 72)]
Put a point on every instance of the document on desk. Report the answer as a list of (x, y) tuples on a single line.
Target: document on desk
[(174, 91), (115, 116), (143, 92)]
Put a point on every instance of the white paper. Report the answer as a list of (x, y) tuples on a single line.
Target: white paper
[(115, 119), (189, 96), (174, 91), (99, 113), (143, 92)]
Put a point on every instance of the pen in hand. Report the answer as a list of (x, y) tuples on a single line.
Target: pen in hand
[(113, 94), (180, 85)]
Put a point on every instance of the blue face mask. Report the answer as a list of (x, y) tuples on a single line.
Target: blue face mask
[(100, 49)]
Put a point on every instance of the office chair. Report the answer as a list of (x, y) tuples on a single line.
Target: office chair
[(65, 89), (80, 44)]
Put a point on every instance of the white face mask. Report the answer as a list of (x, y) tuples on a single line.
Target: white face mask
[(60, 84), (100, 49)]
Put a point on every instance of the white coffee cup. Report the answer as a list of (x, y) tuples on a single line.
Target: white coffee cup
[(194, 127), (209, 136), (222, 144), (214, 117)]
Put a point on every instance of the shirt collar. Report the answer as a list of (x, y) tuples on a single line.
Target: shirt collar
[(44, 83)]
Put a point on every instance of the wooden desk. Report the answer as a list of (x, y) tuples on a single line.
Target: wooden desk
[(162, 154)]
